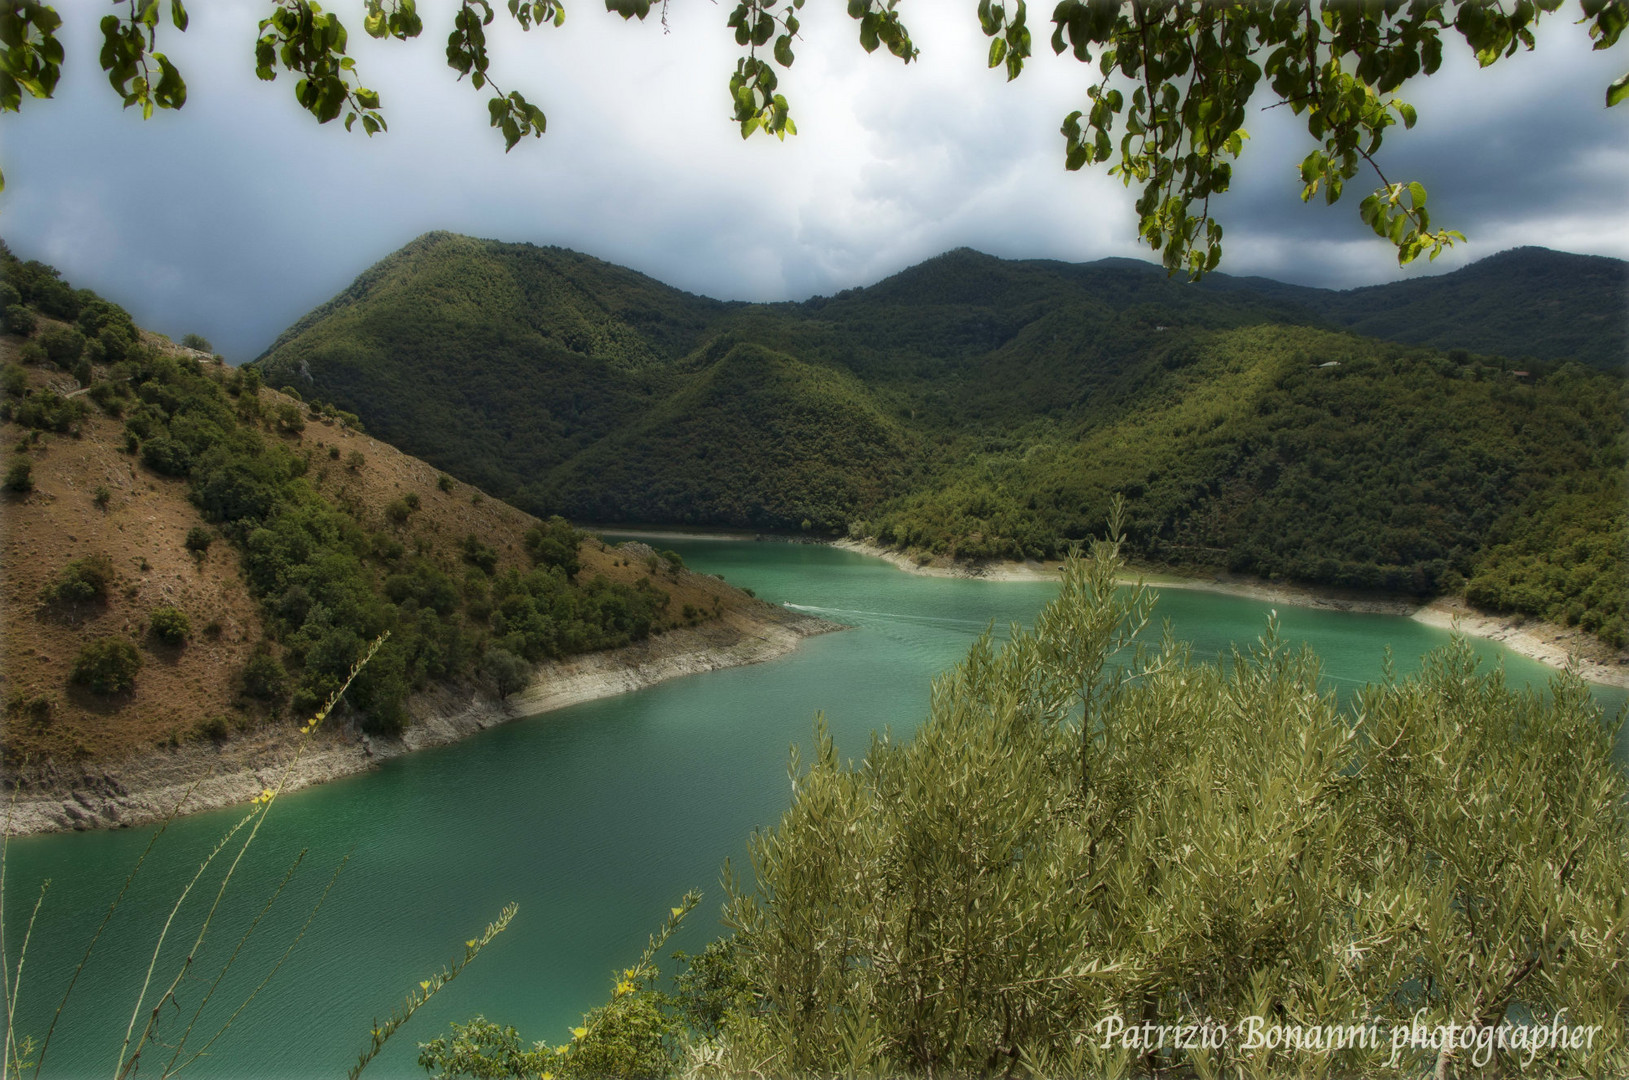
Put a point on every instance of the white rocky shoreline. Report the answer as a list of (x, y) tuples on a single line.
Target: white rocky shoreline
[(1559, 647), (200, 776)]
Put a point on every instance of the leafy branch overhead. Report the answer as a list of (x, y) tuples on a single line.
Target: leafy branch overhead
[(1165, 112)]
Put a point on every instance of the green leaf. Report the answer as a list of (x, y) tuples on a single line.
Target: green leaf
[(1416, 193), (1618, 90)]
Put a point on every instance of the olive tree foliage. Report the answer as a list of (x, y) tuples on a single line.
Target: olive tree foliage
[(1165, 104), (1186, 843)]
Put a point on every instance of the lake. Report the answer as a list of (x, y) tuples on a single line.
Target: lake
[(595, 819)]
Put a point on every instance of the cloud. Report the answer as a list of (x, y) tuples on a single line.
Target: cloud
[(238, 215)]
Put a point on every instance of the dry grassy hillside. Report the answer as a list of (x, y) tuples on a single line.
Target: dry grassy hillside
[(91, 498)]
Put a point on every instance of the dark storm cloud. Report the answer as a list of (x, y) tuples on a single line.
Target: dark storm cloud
[(237, 216), (1522, 153)]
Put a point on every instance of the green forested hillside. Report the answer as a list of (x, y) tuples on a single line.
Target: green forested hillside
[(279, 539), (803, 445), (976, 408), (1526, 302)]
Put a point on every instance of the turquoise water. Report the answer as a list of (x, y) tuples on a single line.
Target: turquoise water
[(594, 819)]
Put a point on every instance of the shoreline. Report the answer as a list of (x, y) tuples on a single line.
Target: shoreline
[(198, 777), (1549, 644)]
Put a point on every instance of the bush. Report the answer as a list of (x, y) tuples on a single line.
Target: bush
[(166, 456), (263, 677), (50, 411), (554, 543), (507, 671), (81, 581), (444, 482), (170, 625), (101, 496), (62, 345), (478, 553), (289, 420), (20, 476), (107, 666), (217, 729), (1200, 846), (36, 710), (196, 341), (14, 380), (19, 320), (199, 539)]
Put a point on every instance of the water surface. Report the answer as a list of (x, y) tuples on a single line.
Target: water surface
[(595, 819)]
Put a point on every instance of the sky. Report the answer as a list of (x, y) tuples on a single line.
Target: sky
[(234, 216)]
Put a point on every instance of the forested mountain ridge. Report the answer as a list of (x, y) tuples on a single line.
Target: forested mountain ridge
[(977, 407), (190, 557)]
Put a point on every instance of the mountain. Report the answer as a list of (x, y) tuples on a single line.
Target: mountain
[(975, 407), (1522, 303), (190, 558)]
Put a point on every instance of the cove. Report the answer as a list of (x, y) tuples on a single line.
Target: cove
[(595, 819)]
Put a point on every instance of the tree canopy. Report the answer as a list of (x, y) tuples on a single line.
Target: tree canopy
[(1165, 107)]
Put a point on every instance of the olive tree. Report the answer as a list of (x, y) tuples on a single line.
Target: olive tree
[(1165, 98), (1231, 854)]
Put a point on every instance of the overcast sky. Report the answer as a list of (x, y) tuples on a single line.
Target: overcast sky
[(238, 214)]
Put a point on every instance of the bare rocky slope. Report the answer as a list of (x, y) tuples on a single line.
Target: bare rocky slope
[(186, 735)]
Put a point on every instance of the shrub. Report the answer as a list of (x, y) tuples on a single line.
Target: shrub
[(444, 482), (107, 666), (14, 380), (199, 539), (37, 709), (196, 341), (355, 460), (412, 500), (263, 677), (170, 625), (81, 581), (19, 320), (62, 344), (214, 728), (101, 497), (50, 411), (289, 420), (477, 553), (1199, 844), (20, 476), (110, 397), (507, 671), (554, 543), (33, 352), (166, 456), (397, 511)]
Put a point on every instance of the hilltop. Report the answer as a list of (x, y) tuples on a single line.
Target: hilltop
[(975, 408), (192, 563)]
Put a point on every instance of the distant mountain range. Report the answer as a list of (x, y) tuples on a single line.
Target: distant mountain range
[(1398, 437)]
